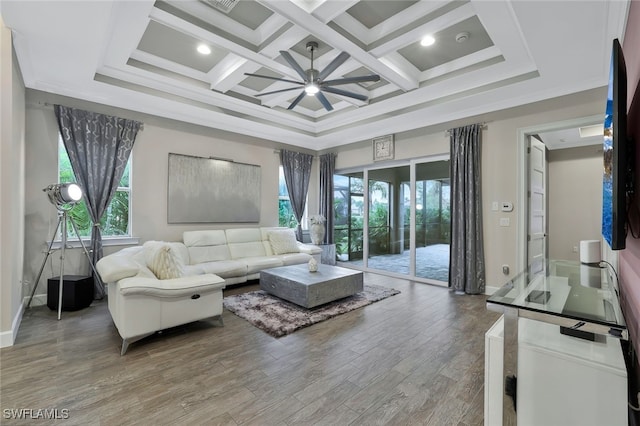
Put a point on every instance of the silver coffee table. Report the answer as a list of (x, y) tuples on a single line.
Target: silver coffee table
[(309, 289)]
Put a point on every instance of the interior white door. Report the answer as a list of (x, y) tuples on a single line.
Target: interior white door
[(537, 244)]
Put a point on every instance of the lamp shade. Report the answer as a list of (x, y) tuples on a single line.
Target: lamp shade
[(64, 195)]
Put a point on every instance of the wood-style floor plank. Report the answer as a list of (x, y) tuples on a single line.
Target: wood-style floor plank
[(414, 358)]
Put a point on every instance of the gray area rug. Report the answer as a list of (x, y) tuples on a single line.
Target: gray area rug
[(279, 317)]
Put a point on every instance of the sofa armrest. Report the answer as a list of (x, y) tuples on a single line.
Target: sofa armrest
[(309, 248), (174, 287), (119, 265)]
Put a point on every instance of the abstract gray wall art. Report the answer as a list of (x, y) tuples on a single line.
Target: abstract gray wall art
[(207, 190)]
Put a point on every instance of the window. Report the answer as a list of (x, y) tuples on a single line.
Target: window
[(286, 216), (115, 221)]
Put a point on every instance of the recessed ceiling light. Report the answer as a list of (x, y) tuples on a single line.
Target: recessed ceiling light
[(204, 49), (427, 40)]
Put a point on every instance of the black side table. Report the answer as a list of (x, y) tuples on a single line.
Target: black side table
[(77, 292)]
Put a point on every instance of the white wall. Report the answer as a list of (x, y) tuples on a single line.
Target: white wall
[(12, 128), (500, 165), (575, 199), (148, 176)]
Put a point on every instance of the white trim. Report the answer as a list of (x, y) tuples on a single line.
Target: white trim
[(8, 338), (523, 133), (106, 242)]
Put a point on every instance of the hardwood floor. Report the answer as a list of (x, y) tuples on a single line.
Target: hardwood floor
[(415, 358)]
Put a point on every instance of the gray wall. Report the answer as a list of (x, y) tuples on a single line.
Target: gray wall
[(575, 199), (12, 170)]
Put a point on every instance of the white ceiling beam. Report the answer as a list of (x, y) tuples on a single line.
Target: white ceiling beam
[(272, 24), (402, 65), (460, 63), (301, 18), (330, 9), (199, 33), (230, 71), (162, 63), (405, 18), (127, 25), (217, 19), (440, 23)]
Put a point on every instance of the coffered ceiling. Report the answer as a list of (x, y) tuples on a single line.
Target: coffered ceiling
[(487, 56)]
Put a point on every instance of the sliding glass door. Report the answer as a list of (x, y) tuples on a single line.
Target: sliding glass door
[(348, 205), (433, 220), (374, 222), (388, 220)]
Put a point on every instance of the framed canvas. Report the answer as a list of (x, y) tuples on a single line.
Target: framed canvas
[(209, 190)]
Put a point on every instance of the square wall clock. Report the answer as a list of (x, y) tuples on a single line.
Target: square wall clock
[(383, 148)]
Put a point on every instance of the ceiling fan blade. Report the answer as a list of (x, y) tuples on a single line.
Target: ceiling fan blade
[(349, 80), (287, 56), (297, 100), (344, 93), (273, 78), (339, 60), (277, 91), (324, 101)]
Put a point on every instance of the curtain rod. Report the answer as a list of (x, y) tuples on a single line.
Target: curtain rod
[(49, 105), (483, 126), (277, 151)]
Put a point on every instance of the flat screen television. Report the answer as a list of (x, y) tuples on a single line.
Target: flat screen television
[(616, 176)]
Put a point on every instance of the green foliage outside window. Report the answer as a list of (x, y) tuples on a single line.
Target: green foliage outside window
[(115, 221), (285, 214)]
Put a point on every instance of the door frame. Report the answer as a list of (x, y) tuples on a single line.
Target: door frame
[(523, 178)]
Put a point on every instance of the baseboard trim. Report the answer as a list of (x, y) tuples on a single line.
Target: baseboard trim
[(38, 300), (490, 290), (7, 338)]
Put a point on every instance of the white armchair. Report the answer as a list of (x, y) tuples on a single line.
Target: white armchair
[(141, 304)]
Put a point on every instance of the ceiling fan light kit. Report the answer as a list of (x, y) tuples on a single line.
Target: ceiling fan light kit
[(313, 81)]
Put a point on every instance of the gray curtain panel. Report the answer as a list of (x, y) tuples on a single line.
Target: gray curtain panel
[(98, 146), (327, 169), (297, 170), (467, 267)]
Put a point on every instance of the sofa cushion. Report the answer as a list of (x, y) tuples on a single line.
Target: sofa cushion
[(163, 260), (222, 268), (208, 254), (283, 241), (215, 237), (295, 258), (256, 264), (243, 235), (185, 286)]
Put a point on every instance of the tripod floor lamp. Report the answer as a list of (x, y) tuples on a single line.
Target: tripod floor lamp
[(64, 196)]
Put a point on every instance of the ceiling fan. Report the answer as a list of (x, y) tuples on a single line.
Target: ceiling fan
[(314, 82)]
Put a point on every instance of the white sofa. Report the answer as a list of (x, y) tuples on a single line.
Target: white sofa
[(164, 284)]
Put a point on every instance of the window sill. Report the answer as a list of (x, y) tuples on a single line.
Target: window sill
[(106, 242)]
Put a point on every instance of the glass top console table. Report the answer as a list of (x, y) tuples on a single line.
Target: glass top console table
[(579, 298)]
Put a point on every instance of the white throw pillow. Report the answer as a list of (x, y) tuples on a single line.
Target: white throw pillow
[(163, 260), (283, 241)]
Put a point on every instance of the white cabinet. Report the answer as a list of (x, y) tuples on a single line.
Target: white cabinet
[(562, 380)]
